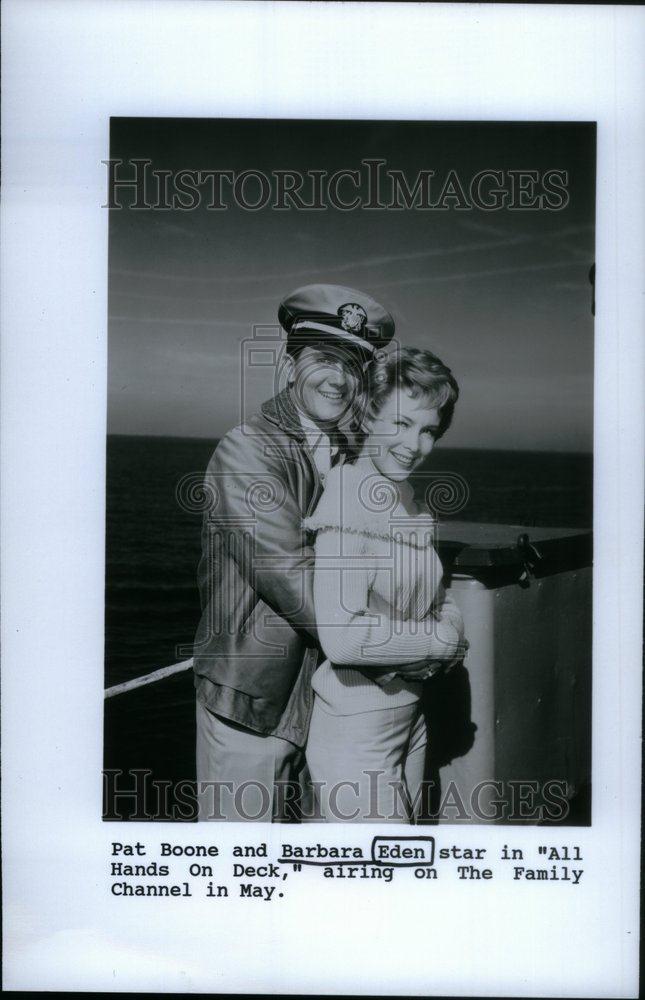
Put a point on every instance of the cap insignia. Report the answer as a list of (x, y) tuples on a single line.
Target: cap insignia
[(352, 317)]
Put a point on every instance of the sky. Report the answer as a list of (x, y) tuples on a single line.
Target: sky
[(503, 297)]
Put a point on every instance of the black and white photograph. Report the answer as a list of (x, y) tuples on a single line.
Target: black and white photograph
[(349, 471)]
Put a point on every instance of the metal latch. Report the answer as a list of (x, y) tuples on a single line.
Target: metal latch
[(529, 557)]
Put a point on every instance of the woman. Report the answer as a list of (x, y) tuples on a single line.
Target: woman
[(380, 604)]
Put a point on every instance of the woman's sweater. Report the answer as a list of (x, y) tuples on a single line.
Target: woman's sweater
[(377, 588)]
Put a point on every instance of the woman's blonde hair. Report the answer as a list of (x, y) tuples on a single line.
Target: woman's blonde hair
[(419, 372)]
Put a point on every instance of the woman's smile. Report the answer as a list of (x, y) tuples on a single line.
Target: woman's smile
[(403, 433), (405, 460)]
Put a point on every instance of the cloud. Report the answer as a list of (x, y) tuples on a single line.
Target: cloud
[(487, 273), (385, 260)]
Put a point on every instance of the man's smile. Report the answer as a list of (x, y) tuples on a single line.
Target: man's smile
[(332, 394)]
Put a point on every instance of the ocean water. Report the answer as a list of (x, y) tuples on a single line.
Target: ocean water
[(152, 551)]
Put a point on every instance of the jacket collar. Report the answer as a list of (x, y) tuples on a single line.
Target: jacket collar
[(281, 411)]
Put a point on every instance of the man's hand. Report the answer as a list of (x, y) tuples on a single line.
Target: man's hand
[(419, 671), (422, 669), (459, 656)]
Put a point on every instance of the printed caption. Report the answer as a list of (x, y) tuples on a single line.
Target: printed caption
[(247, 871)]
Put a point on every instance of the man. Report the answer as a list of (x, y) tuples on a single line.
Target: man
[(256, 646)]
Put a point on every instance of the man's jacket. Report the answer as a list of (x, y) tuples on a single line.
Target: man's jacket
[(256, 646)]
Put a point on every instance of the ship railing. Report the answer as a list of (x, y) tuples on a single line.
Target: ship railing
[(151, 678)]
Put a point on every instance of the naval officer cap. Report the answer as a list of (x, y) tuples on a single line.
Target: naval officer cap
[(333, 312)]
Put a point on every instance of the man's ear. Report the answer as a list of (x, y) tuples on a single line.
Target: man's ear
[(288, 368)]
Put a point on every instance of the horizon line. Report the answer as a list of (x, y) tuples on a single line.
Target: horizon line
[(201, 437)]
